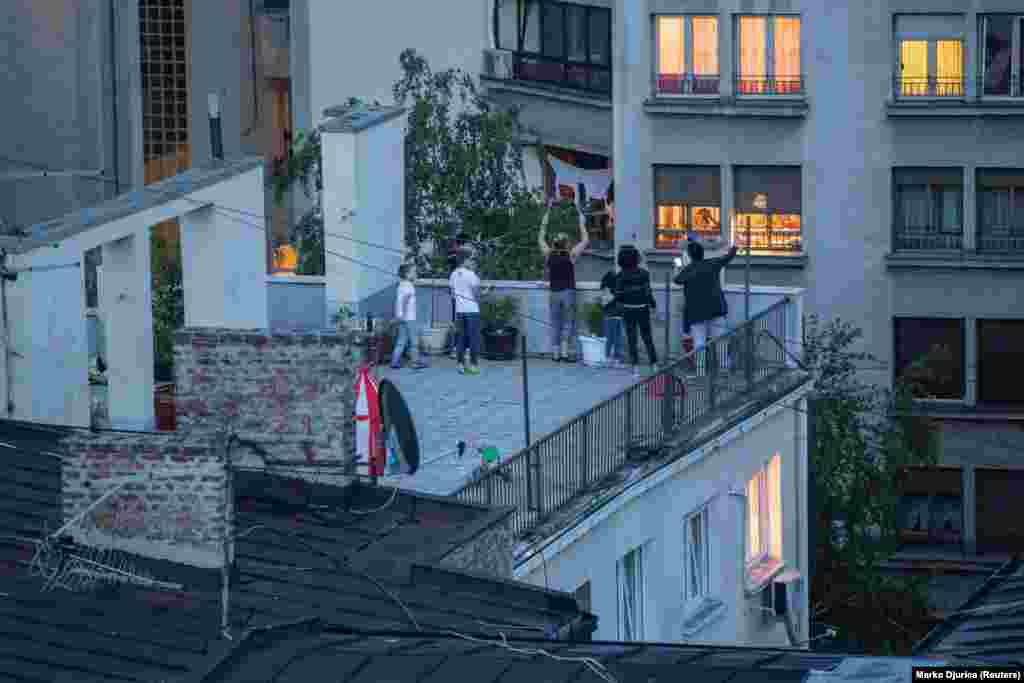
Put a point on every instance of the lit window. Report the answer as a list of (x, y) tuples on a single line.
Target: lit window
[(631, 596), (931, 55), (687, 199), (696, 564), (764, 515), (286, 260), (768, 203), (769, 56), (687, 55)]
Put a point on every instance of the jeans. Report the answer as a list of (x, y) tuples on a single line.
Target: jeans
[(469, 335), (408, 335), (710, 330), (613, 338), (634, 318), (563, 318)]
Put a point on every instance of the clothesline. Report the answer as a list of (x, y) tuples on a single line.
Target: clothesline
[(596, 182)]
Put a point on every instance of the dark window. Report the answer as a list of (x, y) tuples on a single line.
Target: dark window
[(1000, 359), (552, 30), (600, 37), (1001, 210), (686, 198), (998, 32), (769, 205), (930, 356), (931, 505), (928, 211), (1000, 510)]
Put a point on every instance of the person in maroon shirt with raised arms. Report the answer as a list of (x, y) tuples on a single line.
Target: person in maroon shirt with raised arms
[(560, 261)]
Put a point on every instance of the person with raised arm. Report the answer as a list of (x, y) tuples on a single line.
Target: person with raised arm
[(560, 264)]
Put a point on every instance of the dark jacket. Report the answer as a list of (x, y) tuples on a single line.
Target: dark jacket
[(611, 309), (702, 287), (633, 289)]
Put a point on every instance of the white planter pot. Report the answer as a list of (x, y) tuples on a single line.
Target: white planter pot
[(592, 349), (432, 339)]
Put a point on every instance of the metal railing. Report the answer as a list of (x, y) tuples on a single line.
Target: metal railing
[(764, 85), (594, 78), (927, 239), (1003, 239), (687, 84), (555, 469), (929, 87)]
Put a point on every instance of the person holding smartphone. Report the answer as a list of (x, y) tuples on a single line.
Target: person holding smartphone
[(705, 307)]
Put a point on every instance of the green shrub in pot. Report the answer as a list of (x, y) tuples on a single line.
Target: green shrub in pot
[(592, 316), (498, 312)]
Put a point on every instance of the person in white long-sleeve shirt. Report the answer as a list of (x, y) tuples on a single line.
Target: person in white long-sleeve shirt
[(465, 288), (405, 312)]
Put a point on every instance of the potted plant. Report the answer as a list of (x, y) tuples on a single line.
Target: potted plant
[(499, 334), (592, 347)]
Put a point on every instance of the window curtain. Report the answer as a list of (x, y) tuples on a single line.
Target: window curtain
[(914, 211), (949, 203), (670, 46), (995, 210), (949, 68), (914, 67), (775, 506), (998, 49), (576, 30), (600, 25), (705, 46), (552, 25), (753, 519), (753, 54), (787, 53)]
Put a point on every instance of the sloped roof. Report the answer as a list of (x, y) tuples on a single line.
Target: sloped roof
[(128, 633), (313, 651), (345, 119), (990, 625), (136, 201)]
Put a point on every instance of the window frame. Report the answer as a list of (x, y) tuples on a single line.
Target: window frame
[(705, 561), (984, 232), (540, 56), (982, 374), (639, 613), (922, 492), (688, 208), (770, 78), (900, 234), (737, 229), (1016, 92), (931, 90), (897, 356), (689, 80), (767, 559)]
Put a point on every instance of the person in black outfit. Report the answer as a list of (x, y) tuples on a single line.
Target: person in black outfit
[(633, 294), (705, 307)]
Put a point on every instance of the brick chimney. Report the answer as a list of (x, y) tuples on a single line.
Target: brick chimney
[(285, 398)]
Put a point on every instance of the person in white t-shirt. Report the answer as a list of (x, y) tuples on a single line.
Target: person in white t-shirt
[(465, 287), (405, 312)]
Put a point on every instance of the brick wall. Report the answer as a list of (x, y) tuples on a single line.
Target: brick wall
[(291, 393), (173, 508), (488, 553)]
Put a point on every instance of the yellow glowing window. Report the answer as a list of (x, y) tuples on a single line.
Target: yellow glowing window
[(949, 68), (753, 47), (764, 513), (286, 260), (787, 54), (705, 46), (670, 46), (914, 67)]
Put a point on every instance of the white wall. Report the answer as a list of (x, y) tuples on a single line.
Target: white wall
[(364, 214), (354, 50), (654, 519), (224, 281)]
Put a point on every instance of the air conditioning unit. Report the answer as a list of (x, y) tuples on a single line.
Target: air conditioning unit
[(498, 64)]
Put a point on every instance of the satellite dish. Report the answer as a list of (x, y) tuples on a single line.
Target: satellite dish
[(400, 438)]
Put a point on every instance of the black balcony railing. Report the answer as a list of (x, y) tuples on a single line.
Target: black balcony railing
[(687, 84), (929, 87), (669, 405), (762, 85), (1001, 239), (559, 72), (927, 239)]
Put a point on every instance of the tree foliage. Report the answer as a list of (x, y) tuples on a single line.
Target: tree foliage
[(865, 438), (464, 171), (168, 304)]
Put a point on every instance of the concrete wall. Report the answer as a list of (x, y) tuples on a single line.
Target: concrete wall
[(653, 519), (296, 302), (60, 104)]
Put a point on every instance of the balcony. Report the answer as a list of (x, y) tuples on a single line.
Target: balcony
[(753, 96), (927, 239), (928, 87), (1001, 239), (657, 420), (760, 85), (547, 73), (687, 84)]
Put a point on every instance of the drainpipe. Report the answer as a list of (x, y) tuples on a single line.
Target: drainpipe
[(216, 141), (113, 89), (5, 340)]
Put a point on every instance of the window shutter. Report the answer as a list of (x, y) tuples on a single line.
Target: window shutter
[(692, 185)]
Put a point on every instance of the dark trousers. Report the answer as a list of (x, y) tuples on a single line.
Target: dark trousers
[(469, 335), (634, 318)]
